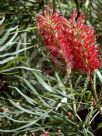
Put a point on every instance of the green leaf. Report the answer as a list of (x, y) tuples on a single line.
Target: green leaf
[(61, 85), (35, 92), (29, 124), (43, 83), (99, 75), (29, 100), (14, 120), (6, 60), (5, 37), (15, 53), (99, 125)]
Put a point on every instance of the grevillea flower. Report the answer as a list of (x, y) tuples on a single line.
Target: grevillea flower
[(85, 49), (54, 29), (73, 41), (46, 133)]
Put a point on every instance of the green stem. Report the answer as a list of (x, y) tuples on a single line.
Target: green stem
[(93, 84), (73, 102), (54, 5)]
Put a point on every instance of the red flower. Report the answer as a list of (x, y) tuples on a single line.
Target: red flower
[(54, 29), (72, 40), (85, 49), (46, 133)]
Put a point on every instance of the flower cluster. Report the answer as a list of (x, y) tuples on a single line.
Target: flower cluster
[(46, 133), (69, 39)]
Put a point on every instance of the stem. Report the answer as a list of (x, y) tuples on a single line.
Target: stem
[(93, 84), (58, 132), (78, 81), (73, 103), (54, 5)]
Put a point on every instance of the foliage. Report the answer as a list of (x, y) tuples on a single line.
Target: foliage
[(35, 95)]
